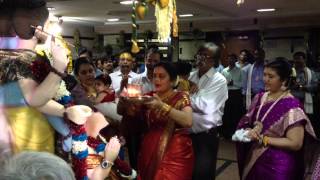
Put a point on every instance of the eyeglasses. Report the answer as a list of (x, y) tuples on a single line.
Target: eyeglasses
[(201, 57)]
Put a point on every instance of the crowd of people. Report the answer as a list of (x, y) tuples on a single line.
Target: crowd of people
[(171, 132)]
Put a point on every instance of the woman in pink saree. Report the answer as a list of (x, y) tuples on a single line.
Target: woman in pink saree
[(277, 127)]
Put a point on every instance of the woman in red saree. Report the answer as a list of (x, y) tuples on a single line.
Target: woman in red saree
[(166, 151), (277, 127)]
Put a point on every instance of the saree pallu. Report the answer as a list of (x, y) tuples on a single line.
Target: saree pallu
[(271, 163), (166, 150)]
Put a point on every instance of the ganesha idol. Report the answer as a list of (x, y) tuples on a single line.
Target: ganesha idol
[(25, 90), (28, 83)]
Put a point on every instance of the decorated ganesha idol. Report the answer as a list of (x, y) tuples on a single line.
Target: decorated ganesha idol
[(27, 81)]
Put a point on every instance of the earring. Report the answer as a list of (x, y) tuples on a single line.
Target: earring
[(283, 87)]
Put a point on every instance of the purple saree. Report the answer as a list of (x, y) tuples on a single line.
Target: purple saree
[(271, 163)]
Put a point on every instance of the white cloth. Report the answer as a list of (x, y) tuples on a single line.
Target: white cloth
[(308, 102), (241, 135), (116, 78), (244, 71), (248, 90), (142, 79), (109, 109), (208, 103)]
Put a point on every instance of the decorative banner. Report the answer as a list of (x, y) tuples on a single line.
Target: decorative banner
[(164, 18), (175, 29), (134, 48)]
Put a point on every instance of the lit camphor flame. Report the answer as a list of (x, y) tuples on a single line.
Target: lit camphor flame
[(134, 90)]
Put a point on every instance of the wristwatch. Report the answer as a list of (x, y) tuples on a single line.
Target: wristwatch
[(106, 164)]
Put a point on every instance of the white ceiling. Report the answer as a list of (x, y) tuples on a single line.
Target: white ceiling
[(209, 14)]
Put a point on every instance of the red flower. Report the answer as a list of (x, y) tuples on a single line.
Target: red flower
[(40, 70)]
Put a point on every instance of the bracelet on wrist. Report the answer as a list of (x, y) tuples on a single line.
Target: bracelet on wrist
[(55, 71), (166, 108), (265, 141)]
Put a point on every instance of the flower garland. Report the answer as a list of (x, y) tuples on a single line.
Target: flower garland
[(122, 167), (44, 51), (79, 151)]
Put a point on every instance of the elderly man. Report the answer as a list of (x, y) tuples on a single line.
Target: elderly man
[(124, 75), (208, 97)]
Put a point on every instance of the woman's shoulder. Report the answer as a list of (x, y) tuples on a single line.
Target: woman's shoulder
[(182, 94), (292, 100), (182, 98)]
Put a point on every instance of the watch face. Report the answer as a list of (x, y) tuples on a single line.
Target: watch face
[(105, 164)]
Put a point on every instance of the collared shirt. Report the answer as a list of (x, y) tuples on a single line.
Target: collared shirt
[(234, 75), (219, 68), (257, 84), (116, 78), (142, 79), (208, 103), (301, 79)]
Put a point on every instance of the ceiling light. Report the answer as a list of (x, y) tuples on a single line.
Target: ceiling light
[(127, 2), (185, 15), (266, 10), (113, 19), (51, 8)]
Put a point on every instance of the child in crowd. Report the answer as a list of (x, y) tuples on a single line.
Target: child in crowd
[(102, 87), (183, 70)]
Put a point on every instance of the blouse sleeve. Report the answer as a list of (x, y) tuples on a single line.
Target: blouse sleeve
[(184, 101)]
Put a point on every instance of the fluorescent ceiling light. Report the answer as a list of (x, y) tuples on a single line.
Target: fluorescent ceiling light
[(266, 10), (51, 8), (113, 19), (127, 2), (185, 15)]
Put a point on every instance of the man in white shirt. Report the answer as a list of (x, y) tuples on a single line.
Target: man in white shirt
[(233, 107), (134, 127), (208, 97), (124, 75), (145, 79)]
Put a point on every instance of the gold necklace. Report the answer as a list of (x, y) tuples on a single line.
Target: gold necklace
[(167, 95), (270, 97)]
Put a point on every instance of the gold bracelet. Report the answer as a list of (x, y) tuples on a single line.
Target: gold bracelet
[(265, 141), (165, 108)]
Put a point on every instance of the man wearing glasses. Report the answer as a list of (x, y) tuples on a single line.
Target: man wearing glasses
[(208, 97)]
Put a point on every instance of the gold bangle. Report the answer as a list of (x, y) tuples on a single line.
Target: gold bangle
[(166, 108), (265, 141)]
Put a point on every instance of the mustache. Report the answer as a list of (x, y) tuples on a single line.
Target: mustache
[(125, 66), (201, 63)]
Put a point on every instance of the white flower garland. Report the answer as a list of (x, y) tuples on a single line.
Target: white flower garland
[(79, 146), (62, 90)]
